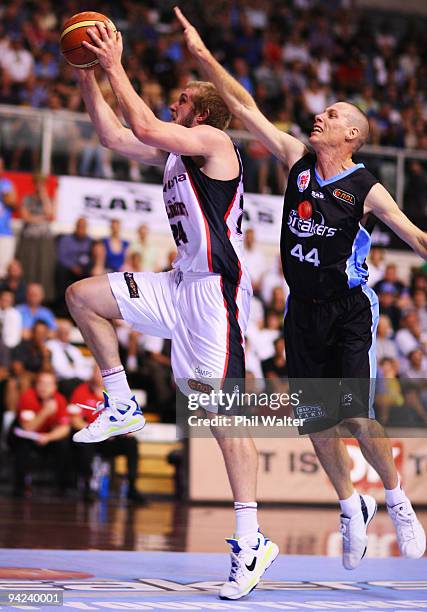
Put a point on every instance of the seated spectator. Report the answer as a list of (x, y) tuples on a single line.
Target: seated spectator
[(7, 204), (115, 248), (10, 320), (419, 299), (398, 404), (390, 277), (385, 346), (14, 281), (68, 363), (410, 337), (32, 310), (376, 266), (143, 246), (263, 340), (36, 246), (387, 296), (90, 394), (275, 366), (417, 365), (42, 413), (28, 358), (73, 256), (97, 258), (278, 301)]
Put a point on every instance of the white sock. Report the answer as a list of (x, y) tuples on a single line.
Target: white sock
[(246, 521), (395, 496), (115, 383), (351, 505)]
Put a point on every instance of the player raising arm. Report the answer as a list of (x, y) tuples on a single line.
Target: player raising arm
[(202, 304), (332, 315)]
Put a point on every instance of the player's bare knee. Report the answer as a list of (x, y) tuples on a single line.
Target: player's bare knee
[(75, 296)]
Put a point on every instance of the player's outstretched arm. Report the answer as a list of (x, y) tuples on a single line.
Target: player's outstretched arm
[(200, 140), (383, 206), (240, 103), (112, 134)]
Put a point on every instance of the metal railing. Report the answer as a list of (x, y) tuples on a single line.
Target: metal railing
[(62, 142)]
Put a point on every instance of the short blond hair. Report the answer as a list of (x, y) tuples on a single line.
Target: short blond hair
[(205, 98)]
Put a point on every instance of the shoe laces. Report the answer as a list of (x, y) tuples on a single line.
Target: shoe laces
[(102, 415), (404, 521), (238, 559)]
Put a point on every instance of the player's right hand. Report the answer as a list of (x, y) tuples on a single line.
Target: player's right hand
[(195, 44)]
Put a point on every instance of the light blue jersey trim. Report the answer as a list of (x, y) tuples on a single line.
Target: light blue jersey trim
[(357, 274), (337, 177), (372, 354)]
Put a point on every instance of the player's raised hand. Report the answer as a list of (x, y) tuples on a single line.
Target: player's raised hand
[(195, 44), (107, 45)]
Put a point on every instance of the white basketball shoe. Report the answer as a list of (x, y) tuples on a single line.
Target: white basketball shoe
[(353, 530), (116, 417), (411, 536), (248, 563)]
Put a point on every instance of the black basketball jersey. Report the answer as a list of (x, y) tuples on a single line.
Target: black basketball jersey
[(323, 242)]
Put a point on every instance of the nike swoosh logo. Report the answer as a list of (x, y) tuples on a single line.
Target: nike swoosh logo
[(251, 567)]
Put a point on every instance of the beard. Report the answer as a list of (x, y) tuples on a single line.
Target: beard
[(187, 121)]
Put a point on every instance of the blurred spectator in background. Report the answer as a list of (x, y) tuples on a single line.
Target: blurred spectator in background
[(17, 64), (90, 394), (32, 310), (145, 249), (73, 256), (410, 336), (390, 277), (419, 299), (398, 403), (275, 366), (68, 363), (10, 320), (385, 345), (42, 413), (14, 281), (417, 366), (254, 259), (387, 295), (7, 204), (28, 358), (36, 246), (376, 266), (115, 248), (97, 258)]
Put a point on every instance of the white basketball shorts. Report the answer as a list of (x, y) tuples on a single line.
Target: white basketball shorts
[(204, 315)]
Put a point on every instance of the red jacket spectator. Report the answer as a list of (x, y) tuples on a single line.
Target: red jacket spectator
[(55, 408)]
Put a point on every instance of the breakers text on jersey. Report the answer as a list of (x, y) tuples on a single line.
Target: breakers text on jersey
[(304, 228)]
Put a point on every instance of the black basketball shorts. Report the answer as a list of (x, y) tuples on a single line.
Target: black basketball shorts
[(330, 351)]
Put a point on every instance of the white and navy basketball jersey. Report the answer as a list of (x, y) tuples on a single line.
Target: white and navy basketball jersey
[(205, 216)]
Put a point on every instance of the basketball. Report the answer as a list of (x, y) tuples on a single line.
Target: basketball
[(305, 210), (74, 32)]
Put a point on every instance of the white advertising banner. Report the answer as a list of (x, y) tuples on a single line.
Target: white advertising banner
[(101, 200), (289, 471)]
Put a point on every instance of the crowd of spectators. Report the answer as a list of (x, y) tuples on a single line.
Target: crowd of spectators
[(295, 57)]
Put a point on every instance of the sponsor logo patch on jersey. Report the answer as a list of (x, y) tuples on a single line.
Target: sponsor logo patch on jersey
[(318, 194), (305, 228), (344, 196), (196, 385), (303, 180)]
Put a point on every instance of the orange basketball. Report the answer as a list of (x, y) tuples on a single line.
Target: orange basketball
[(74, 32)]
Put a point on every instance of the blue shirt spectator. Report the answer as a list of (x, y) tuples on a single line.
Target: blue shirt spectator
[(33, 310)]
